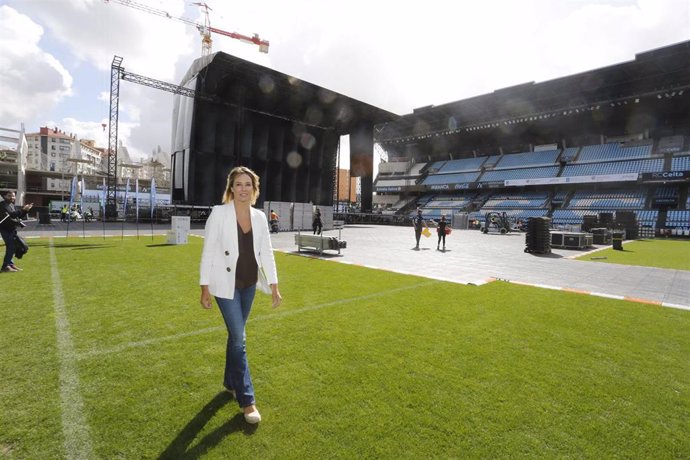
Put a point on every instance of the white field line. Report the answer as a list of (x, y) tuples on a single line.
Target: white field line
[(75, 428), (143, 343), (281, 314)]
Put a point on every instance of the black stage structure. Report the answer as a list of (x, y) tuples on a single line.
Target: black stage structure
[(648, 96), (284, 128)]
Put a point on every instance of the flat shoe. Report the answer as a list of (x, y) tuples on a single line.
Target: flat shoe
[(253, 417)]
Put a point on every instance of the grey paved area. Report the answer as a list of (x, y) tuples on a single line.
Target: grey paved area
[(470, 258)]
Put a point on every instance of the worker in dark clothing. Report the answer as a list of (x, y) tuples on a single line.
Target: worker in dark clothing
[(10, 219)]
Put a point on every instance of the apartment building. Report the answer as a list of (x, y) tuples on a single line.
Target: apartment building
[(49, 149), (54, 157)]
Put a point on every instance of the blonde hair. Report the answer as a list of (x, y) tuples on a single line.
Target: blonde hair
[(228, 196)]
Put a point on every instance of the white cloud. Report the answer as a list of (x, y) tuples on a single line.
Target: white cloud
[(31, 79), (94, 31), (406, 54), (397, 55)]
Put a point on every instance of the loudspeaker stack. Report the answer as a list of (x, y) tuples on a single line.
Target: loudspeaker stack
[(589, 222), (601, 236), (628, 221), (606, 219), (538, 238)]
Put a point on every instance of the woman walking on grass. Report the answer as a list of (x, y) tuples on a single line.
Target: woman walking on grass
[(236, 259)]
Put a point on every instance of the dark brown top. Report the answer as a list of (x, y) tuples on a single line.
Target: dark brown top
[(246, 272)]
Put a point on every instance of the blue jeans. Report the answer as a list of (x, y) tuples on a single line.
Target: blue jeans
[(235, 312), (8, 238)]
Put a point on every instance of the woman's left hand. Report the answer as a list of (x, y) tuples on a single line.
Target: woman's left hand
[(277, 298)]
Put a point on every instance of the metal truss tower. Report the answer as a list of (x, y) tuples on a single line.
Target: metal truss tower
[(111, 185), (117, 73)]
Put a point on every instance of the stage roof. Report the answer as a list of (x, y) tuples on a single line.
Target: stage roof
[(260, 89)]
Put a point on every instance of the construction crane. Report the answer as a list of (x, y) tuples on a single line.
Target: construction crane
[(204, 29)]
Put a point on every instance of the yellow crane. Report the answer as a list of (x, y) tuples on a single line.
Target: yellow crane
[(204, 29)]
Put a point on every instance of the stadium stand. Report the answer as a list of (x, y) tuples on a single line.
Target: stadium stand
[(569, 154), (491, 161), (666, 192), (445, 179), (607, 200), (517, 201), (517, 206), (612, 151), (680, 164), (514, 214), (583, 150), (522, 173), (399, 205), (613, 167), (433, 207), (528, 159), (462, 165), (678, 218)]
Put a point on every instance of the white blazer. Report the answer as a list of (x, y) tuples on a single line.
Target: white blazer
[(220, 253)]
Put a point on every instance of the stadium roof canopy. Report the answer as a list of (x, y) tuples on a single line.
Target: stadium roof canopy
[(660, 74)]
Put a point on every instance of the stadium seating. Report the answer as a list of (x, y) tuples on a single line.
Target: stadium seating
[(569, 154), (575, 216), (666, 192), (680, 164), (678, 218), (561, 195), (612, 151), (607, 200), (522, 173), (571, 203), (613, 167), (491, 161), (528, 159), (457, 178), (517, 201), (463, 165), (434, 206), (516, 214), (436, 166)]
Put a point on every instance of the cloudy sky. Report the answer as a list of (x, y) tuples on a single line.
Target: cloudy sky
[(55, 55)]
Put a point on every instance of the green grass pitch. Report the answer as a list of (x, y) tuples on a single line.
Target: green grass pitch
[(660, 253), (104, 344)]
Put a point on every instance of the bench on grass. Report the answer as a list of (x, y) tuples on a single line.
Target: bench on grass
[(319, 243)]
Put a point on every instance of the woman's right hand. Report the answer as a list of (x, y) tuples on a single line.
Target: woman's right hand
[(205, 297)]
